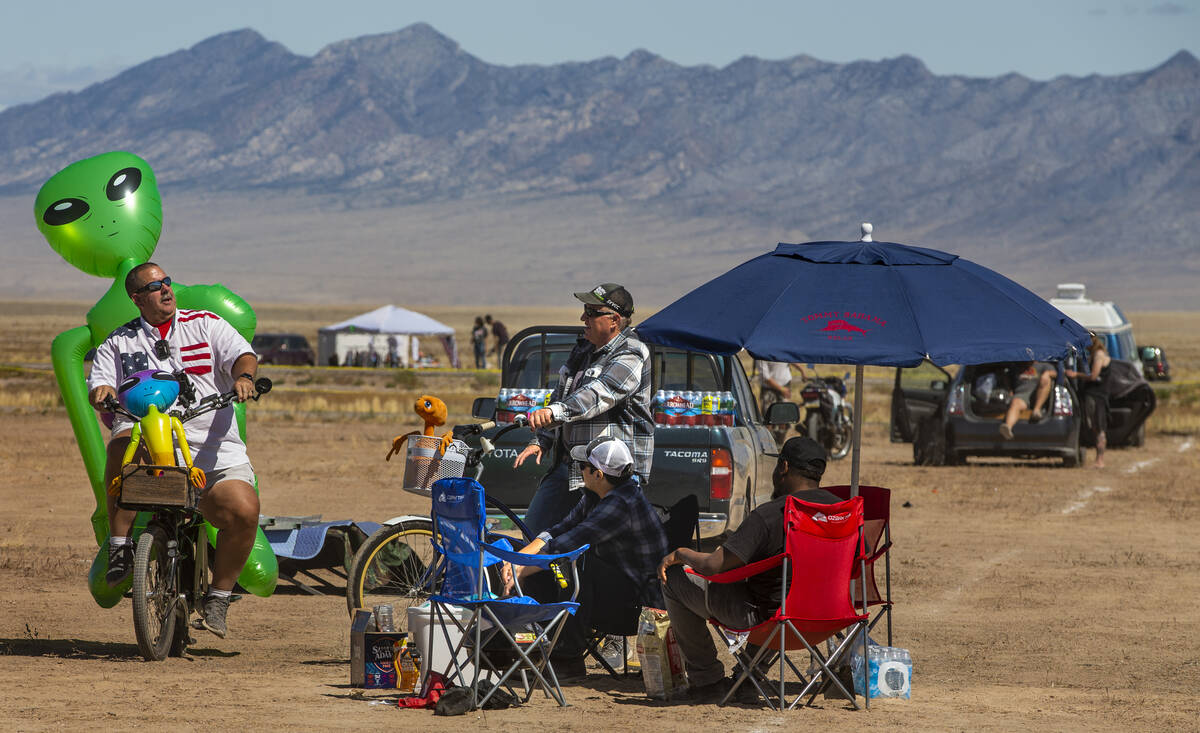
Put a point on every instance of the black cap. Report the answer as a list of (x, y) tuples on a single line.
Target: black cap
[(805, 455), (611, 295)]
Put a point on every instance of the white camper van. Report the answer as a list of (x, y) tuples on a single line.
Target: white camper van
[(1102, 317)]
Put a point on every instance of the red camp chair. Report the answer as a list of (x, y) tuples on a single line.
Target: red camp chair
[(877, 534), (823, 546)]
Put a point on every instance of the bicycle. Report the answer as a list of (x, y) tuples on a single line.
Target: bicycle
[(173, 548), (397, 563)]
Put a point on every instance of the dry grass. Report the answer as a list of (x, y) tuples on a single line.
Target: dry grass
[(27, 385)]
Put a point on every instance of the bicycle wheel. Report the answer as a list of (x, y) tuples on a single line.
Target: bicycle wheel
[(154, 593), (393, 566)]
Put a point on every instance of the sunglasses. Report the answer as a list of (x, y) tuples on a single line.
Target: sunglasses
[(154, 286), (596, 313)]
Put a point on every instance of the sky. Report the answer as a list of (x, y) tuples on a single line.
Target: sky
[(69, 44)]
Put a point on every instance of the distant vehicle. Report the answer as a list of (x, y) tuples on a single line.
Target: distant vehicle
[(283, 348), (948, 418), (827, 418), (1103, 318), (1154, 363)]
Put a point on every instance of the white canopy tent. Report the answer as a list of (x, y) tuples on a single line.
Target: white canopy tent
[(386, 331)]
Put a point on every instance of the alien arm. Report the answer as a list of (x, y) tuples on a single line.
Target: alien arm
[(135, 438), (66, 353), (196, 475)]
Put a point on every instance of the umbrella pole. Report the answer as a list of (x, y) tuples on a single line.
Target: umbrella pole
[(858, 418)]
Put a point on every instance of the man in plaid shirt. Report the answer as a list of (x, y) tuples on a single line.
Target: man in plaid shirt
[(619, 572), (603, 389)]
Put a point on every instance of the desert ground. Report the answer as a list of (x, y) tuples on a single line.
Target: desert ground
[(1030, 596)]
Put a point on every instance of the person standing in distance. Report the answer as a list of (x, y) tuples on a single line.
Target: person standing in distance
[(603, 389), (500, 331), (216, 359)]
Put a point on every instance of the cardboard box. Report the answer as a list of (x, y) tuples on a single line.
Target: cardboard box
[(373, 653)]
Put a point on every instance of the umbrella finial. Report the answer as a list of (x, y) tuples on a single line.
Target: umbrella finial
[(866, 232)]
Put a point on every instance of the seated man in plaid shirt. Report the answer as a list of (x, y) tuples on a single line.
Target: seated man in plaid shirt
[(619, 573)]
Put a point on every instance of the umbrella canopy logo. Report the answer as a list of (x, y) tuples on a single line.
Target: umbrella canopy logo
[(839, 325)]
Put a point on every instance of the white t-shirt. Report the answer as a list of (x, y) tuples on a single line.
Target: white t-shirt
[(202, 344), (779, 371)]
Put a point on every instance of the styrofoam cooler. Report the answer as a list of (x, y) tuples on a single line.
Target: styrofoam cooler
[(423, 465), (421, 622)]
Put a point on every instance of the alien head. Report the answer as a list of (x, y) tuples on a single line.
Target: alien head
[(99, 212)]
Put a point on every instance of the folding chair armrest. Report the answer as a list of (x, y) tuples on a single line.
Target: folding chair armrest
[(745, 571), (877, 554), (541, 561)]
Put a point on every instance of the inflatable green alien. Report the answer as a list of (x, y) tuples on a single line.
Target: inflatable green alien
[(104, 216)]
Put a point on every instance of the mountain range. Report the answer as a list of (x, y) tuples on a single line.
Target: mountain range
[(1076, 175)]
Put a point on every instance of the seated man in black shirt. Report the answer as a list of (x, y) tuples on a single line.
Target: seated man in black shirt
[(738, 605)]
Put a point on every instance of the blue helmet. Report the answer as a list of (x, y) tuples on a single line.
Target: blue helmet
[(145, 388)]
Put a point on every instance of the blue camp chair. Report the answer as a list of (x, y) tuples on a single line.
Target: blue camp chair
[(460, 536)]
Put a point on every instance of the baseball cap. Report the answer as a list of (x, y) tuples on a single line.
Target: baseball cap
[(606, 453), (611, 295), (805, 455)]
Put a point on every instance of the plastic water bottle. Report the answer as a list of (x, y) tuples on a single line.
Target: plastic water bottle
[(383, 617)]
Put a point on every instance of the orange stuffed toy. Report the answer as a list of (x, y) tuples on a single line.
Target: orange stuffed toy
[(431, 410)]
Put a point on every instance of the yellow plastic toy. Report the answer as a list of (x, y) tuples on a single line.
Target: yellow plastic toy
[(157, 430), (431, 410)]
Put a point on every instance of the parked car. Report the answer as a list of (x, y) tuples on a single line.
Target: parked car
[(1154, 363), (283, 348), (723, 465), (950, 417)]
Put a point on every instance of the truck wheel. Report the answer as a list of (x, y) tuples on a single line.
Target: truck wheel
[(1138, 439)]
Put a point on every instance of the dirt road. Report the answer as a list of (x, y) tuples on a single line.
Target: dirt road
[(1030, 596)]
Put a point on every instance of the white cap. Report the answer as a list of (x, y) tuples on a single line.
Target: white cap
[(606, 453)]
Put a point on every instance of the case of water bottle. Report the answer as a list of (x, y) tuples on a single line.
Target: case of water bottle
[(513, 401), (692, 408), (889, 671)]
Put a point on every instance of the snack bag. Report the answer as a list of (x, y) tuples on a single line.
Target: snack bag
[(659, 656)]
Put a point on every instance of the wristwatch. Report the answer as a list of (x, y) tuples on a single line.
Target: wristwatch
[(247, 375)]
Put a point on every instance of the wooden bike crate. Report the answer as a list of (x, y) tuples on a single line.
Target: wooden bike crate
[(152, 487)]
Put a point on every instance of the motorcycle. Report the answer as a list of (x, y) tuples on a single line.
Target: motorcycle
[(828, 419)]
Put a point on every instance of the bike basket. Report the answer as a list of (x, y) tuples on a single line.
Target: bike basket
[(154, 487), (423, 465)]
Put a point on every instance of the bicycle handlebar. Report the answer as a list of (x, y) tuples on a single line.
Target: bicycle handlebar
[(211, 403)]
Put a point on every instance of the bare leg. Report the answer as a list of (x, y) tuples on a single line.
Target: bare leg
[(1045, 382), (232, 507), (1011, 417), (1101, 444)]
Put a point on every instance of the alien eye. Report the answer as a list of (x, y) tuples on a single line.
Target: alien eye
[(123, 183), (64, 211), (428, 405)]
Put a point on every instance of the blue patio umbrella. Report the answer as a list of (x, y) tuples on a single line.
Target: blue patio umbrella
[(866, 302)]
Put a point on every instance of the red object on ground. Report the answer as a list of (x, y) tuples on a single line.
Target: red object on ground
[(435, 686)]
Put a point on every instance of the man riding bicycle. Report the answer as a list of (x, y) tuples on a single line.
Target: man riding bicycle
[(217, 359)]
